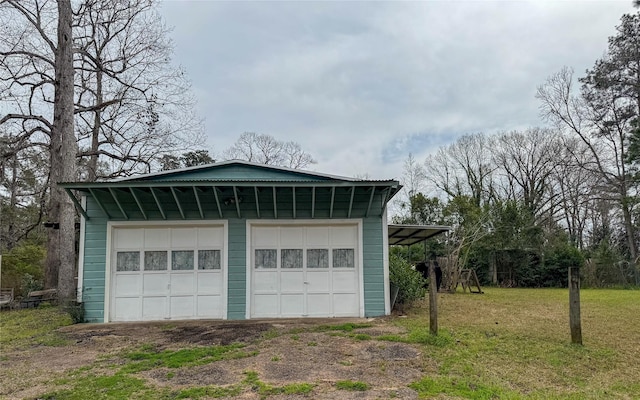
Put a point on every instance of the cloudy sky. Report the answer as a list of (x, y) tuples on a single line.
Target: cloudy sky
[(360, 85)]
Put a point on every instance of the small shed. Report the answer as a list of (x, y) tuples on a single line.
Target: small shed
[(233, 240)]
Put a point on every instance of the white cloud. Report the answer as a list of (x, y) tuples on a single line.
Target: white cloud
[(360, 85)]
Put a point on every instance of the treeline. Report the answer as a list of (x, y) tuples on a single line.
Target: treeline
[(89, 91), (525, 204)]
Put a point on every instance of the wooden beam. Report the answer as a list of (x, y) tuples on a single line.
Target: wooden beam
[(104, 209), (77, 204), (255, 189), (333, 196), (236, 200), (373, 192), (574, 305), (275, 204), (115, 198), (433, 300), (155, 197), (353, 192), (195, 193), (175, 197), (385, 200), (313, 202), (138, 202), (215, 194), (294, 202)]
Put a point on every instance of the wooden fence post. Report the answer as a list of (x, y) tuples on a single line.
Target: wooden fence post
[(433, 300), (574, 305)]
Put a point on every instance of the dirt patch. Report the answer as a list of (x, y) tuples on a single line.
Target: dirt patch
[(285, 352), (218, 334)]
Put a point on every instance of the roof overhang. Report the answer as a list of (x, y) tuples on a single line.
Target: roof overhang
[(412, 234), (206, 199)]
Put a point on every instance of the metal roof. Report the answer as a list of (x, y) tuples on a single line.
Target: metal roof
[(216, 165), (412, 234), (201, 199), (235, 189)]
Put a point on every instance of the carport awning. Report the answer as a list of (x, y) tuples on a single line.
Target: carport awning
[(412, 234), (221, 199)]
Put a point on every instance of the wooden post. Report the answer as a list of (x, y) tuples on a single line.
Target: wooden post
[(433, 300), (574, 305), (494, 269)]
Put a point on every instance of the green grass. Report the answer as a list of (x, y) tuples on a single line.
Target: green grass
[(123, 386), (146, 358), (118, 386), (462, 388), (346, 327), (360, 336), (354, 386), (265, 390), (29, 327), (209, 392), (515, 344), (420, 335)]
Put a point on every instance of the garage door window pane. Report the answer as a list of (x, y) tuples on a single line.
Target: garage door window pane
[(343, 258), (266, 258), (155, 260), (128, 261), (209, 259), (291, 258), (182, 260), (318, 258)]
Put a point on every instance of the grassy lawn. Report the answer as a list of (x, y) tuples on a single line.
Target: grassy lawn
[(504, 344), (515, 343)]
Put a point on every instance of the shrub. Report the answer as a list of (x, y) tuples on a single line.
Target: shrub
[(410, 283), (556, 265), (23, 269)]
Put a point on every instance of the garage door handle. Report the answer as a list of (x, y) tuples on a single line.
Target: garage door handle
[(306, 283)]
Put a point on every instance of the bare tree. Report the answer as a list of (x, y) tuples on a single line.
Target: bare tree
[(91, 87), (577, 189), (35, 69), (464, 168), (413, 180), (61, 247), (265, 149), (24, 180), (528, 160), (132, 105), (603, 138)]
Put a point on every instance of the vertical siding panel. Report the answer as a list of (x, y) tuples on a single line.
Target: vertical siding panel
[(237, 264), (94, 265), (373, 268)]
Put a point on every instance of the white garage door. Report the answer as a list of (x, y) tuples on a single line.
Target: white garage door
[(167, 273), (304, 271)]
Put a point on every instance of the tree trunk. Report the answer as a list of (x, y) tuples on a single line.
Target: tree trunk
[(630, 231), (95, 133), (61, 242)]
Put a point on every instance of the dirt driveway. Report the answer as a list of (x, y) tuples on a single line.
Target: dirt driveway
[(283, 352)]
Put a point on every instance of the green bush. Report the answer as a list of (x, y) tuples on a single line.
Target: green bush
[(75, 311), (558, 259), (410, 283), (23, 269)]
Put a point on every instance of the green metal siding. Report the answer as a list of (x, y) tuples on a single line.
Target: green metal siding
[(373, 268), (95, 247), (373, 263), (237, 265)]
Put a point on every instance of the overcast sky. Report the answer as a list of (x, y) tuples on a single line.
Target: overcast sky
[(360, 85)]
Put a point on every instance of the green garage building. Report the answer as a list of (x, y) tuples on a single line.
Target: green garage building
[(233, 240)]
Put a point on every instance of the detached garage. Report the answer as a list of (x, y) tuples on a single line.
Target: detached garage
[(233, 240)]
